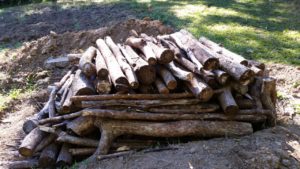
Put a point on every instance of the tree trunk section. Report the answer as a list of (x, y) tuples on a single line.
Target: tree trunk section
[(161, 87), (48, 156), (227, 102), (65, 157), (86, 62), (101, 68), (81, 125), (200, 89), (30, 142), (167, 77)]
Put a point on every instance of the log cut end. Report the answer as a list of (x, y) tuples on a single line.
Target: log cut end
[(167, 56), (211, 64), (26, 152), (146, 75), (246, 77)]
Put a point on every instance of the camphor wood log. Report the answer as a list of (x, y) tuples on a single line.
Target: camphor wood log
[(45, 142), (179, 71), (218, 49), (189, 109), (132, 97), (30, 142), (227, 102), (103, 86), (81, 125), (61, 118), (101, 68), (117, 77), (63, 137), (49, 155), (200, 89), (139, 103), (161, 87), (208, 61), (144, 47), (221, 76), (65, 157), (82, 151), (167, 77), (32, 163), (162, 54), (74, 58), (114, 128), (268, 98), (145, 73), (130, 74), (86, 62)]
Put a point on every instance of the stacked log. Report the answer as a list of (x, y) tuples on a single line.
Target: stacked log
[(165, 86)]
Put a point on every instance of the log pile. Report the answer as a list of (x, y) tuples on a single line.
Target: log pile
[(166, 86)]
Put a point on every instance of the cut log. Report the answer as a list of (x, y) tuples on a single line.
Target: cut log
[(227, 102), (257, 64), (268, 98), (32, 163), (245, 103), (242, 89), (228, 54), (147, 89), (189, 109), (103, 86), (167, 77), (65, 157), (170, 129), (208, 61), (255, 112), (30, 142), (179, 71), (255, 92), (82, 85), (82, 151), (200, 89), (81, 125), (146, 74), (257, 71), (48, 156), (139, 103), (221, 76), (101, 68), (65, 96), (131, 77), (115, 72), (74, 58), (67, 105), (58, 119), (144, 47), (161, 87), (45, 142), (86, 62), (65, 138)]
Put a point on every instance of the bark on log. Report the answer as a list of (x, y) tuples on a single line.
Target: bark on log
[(74, 58), (145, 73), (227, 102), (58, 119), (170, 129), (65, 138), (167, 77), (115, 72), (101, 68), (30, 142), (221, 76), (200, 89), (139, 103), (48, 156), (65, 96), (161, 87), (86, 62), (103, 86), (82, 85), (82, 151), (32, 163), (65, 157), (268, 98), (132, 97), (189, 109), (221, 50), (81, 125), (67, 104), (130, 75), (179, 71), (45, 142), (208, 61), (127, 56), (144, 47)]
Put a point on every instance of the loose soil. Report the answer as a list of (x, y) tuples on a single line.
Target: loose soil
[(278, 147)]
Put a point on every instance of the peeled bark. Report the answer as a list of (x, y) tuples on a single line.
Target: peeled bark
[(115, 72), (86, 62), (257, 64), (167, 77), (161, 87), (65, 157), (221, 76), (228, 54), (130, 74), (227, 102), (145, 73), (101, 68), (30, 142), (179, 71), (144, 47), (200, 89), (48, 156), (81, 125)]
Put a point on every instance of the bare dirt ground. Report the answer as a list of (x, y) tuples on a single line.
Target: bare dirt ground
[(278, 147)]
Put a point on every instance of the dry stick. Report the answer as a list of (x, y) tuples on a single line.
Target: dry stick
[(115, 72), (58, 119), (30, 142), (132, 97), (144, 47), (146, 74), (189, 109), (82, 151), (200, 89), (65, 157), (179, 71), (45, 142), (268, 98), (49, 155), (221, 76), (161, 87), (218, 49), (131, 77), (103, 86), (86, 62), (227, 102), (113, 128), (31, 163), (81, 125), (101, 68), (167, 77), (124, 115)]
